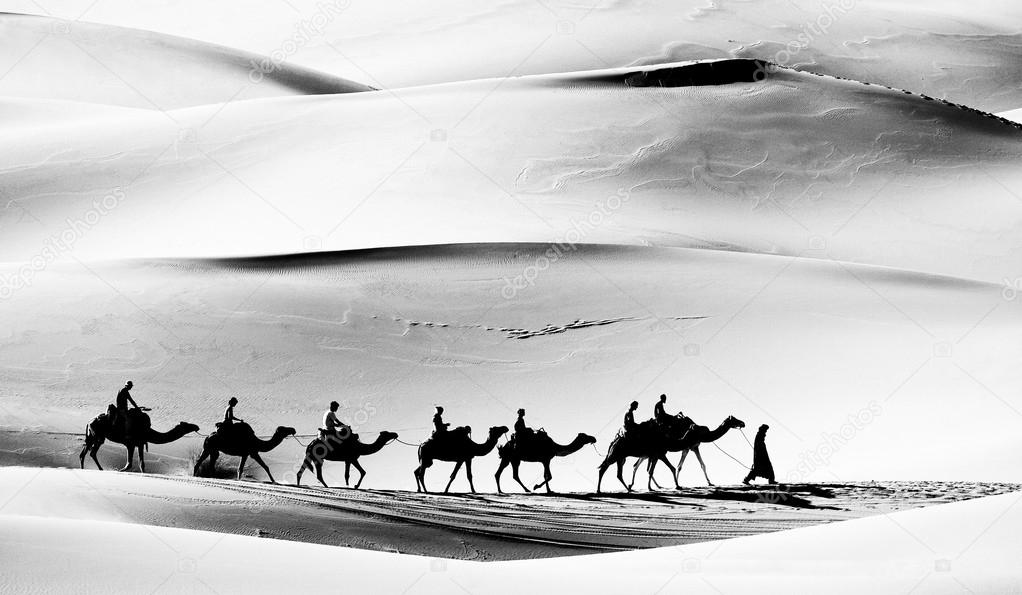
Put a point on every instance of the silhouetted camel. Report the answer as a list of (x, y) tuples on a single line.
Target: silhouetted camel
[(455, 446), (240, 441), (348, 451), (539, 448), (136, 433), (647, 441), (689, 442)]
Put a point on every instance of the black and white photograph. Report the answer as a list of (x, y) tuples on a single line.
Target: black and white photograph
[(511, 297)]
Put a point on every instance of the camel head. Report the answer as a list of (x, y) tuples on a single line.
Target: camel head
[(585, 438), (187, 428), (284, 431), (496, 431), (734, 422), (388, 436)]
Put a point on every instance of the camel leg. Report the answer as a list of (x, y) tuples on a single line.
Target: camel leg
[(500, 469), (603, 469), (547, 476), (361, 471), (420, 474), (674, 472), (635, 469), (301, 469), (241, 466), (85, 449), (457, 467), (468, 471), (141, 458), (92, 453), (620, 468), (131, 458), (202, 457), (699, 457), (347, 473), (514, 473), (681, 462), (259, 459), (652, 480), (319, 472)]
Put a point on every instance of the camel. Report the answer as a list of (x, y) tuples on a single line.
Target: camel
[(458, 447), (240, 441), (136, 434), (689, 442), (349, 451), (540, 448), (647, 441)]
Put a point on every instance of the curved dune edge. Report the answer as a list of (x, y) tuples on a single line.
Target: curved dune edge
[(701, 176), (505, 254), (939, 548), (105, 64)]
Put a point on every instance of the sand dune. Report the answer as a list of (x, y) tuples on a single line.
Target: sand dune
[(392, 332), (940, 549), (483, 528), (947, 49), (53, 59), (797, 165)]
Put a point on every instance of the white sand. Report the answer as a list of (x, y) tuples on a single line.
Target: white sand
[(944, 549)]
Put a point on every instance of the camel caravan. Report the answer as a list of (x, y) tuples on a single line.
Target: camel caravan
[(649, 441)]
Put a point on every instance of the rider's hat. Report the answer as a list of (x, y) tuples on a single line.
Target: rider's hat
[(233, 401), (521, 412)]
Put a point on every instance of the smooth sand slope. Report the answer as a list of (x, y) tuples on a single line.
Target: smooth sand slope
[(44, 58), (859, 370), (941, 549), (794, 164), (966, 52), (482, 528)]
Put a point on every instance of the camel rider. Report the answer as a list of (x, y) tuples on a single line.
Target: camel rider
[(333, 425), (630, 424), (229, 413), (522, 431), (439, 425), (659, 414), (121, 403)]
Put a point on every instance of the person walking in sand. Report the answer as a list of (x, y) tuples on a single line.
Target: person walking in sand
[(761, 466)]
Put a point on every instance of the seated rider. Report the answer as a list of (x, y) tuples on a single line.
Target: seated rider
[(121, 407), (439, 425), (522, 431), (659, 414), (229, 418), (333, 425), (630, 424)]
